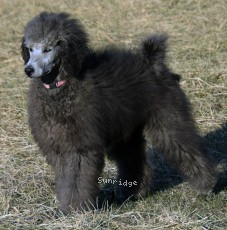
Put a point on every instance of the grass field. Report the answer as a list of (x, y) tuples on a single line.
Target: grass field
[(197, 50)]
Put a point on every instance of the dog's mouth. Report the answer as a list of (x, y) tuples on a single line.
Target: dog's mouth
[(50, 75)]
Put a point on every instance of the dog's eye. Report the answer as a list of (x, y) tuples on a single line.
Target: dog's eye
[(47, 50), (58, 43), (30, 49)]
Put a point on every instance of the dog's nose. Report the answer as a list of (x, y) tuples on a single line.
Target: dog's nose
[(29, 70)]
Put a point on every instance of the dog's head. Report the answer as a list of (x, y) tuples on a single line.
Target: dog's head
[(41, 59), (53, 43)]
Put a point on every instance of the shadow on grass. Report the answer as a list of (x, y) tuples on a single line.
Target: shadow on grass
[(216, 141), (165, 177)]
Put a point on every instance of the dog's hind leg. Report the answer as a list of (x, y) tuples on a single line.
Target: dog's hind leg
[(171, 129), (133, 179), (76, 178)]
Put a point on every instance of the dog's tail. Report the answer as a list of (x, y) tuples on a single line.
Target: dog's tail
[(154, 52), (154, 49)]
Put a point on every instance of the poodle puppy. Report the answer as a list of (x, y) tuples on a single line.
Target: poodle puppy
[(85, 103)]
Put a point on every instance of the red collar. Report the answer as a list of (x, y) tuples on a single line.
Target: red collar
[(55, 84)]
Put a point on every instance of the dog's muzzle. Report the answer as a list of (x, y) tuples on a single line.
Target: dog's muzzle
[(29, 70)]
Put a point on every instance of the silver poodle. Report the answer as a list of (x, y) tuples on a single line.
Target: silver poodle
[(85, 103)]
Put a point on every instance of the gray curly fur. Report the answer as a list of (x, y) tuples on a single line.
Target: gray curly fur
[(110, 99)]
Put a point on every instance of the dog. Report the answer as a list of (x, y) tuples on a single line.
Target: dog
[(85, 103)]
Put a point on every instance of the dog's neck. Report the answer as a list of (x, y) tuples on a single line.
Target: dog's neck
[(55, 84), (58, 80)]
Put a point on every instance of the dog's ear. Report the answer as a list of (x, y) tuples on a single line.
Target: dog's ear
[(73, 54), (24, 51)]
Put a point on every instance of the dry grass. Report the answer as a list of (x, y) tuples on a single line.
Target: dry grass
[(198, 51)]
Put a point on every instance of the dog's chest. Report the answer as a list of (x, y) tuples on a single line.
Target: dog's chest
[(54, 127), (57, 136), (59, 109)]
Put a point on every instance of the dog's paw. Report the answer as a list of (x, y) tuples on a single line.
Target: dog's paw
[(205, 186)]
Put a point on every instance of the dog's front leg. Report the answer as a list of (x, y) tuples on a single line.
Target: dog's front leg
[(76, 177)]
